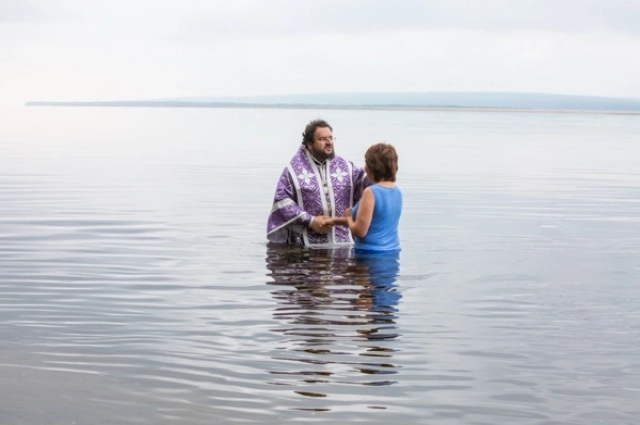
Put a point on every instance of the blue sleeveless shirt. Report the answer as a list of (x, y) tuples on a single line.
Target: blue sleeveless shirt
[(383, 231)]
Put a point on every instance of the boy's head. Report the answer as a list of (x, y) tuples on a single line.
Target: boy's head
[(381, 160)]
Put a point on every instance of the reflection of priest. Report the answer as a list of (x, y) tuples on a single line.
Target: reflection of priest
[(337, 313), (317, 284), (313, 192)]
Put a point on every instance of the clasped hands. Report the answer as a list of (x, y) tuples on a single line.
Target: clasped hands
[(323, 224)]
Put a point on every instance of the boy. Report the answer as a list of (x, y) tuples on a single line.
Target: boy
[(374, 220)]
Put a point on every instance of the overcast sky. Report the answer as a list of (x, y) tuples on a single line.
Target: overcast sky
[(132, 49)]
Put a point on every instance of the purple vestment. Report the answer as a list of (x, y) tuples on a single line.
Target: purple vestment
[(300, 195)]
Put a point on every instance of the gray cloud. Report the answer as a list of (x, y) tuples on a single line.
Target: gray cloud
[(203, 20), (13, 11), (286, 17), (18, 11)]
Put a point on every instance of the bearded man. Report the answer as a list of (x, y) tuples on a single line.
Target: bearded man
[(313, 191)]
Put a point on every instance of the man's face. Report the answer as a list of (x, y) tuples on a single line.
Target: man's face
[(322, 147)]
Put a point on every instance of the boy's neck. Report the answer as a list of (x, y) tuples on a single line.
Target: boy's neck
[(386, 183)]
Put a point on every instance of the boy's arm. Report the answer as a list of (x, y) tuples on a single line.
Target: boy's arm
[(340, 221), (360, 226)]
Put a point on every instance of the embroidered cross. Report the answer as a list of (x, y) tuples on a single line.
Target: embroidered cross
[(306, 176), (339, 175)]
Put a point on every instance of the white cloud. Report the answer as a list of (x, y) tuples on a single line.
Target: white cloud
[(93, 50)]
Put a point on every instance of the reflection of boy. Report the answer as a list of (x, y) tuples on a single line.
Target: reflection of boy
[(374, 220), (383, 268)]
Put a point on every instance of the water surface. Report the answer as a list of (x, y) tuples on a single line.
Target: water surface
[(136, 284)]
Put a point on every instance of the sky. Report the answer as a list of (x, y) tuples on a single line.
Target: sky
[(65, 50)]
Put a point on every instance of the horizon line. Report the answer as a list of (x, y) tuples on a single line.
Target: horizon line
[(389, 107), (405, 93)]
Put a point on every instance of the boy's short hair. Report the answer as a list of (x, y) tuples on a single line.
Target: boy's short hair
[(382, 161)]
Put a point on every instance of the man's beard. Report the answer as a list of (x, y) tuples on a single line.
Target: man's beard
[(321, 155)]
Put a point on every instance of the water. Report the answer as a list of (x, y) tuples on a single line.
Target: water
[(136, 284)]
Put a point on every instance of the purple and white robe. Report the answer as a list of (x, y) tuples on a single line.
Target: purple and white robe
[(300, 195)]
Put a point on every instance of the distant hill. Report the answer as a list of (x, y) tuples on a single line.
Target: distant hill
[(435, 100)]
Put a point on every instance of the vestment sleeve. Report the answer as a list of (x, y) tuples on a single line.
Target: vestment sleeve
[(286, 214), (360, 182)]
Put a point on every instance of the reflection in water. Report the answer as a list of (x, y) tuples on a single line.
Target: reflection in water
[(338, 311)]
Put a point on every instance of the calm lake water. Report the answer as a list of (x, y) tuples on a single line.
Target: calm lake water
[(137, 287)]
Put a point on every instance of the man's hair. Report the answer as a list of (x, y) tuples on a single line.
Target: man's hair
[(310, 130), (382, 161)]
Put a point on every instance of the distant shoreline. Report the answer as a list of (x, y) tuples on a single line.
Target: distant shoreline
[(223, 105)]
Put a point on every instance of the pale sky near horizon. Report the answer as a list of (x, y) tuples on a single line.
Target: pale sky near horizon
[(124, 50)]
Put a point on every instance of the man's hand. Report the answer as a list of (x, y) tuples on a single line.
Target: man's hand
[(321, 224)]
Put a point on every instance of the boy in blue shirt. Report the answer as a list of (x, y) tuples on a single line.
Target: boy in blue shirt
[(374, 220)]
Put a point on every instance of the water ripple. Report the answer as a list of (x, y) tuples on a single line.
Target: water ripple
[(136, 285)]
